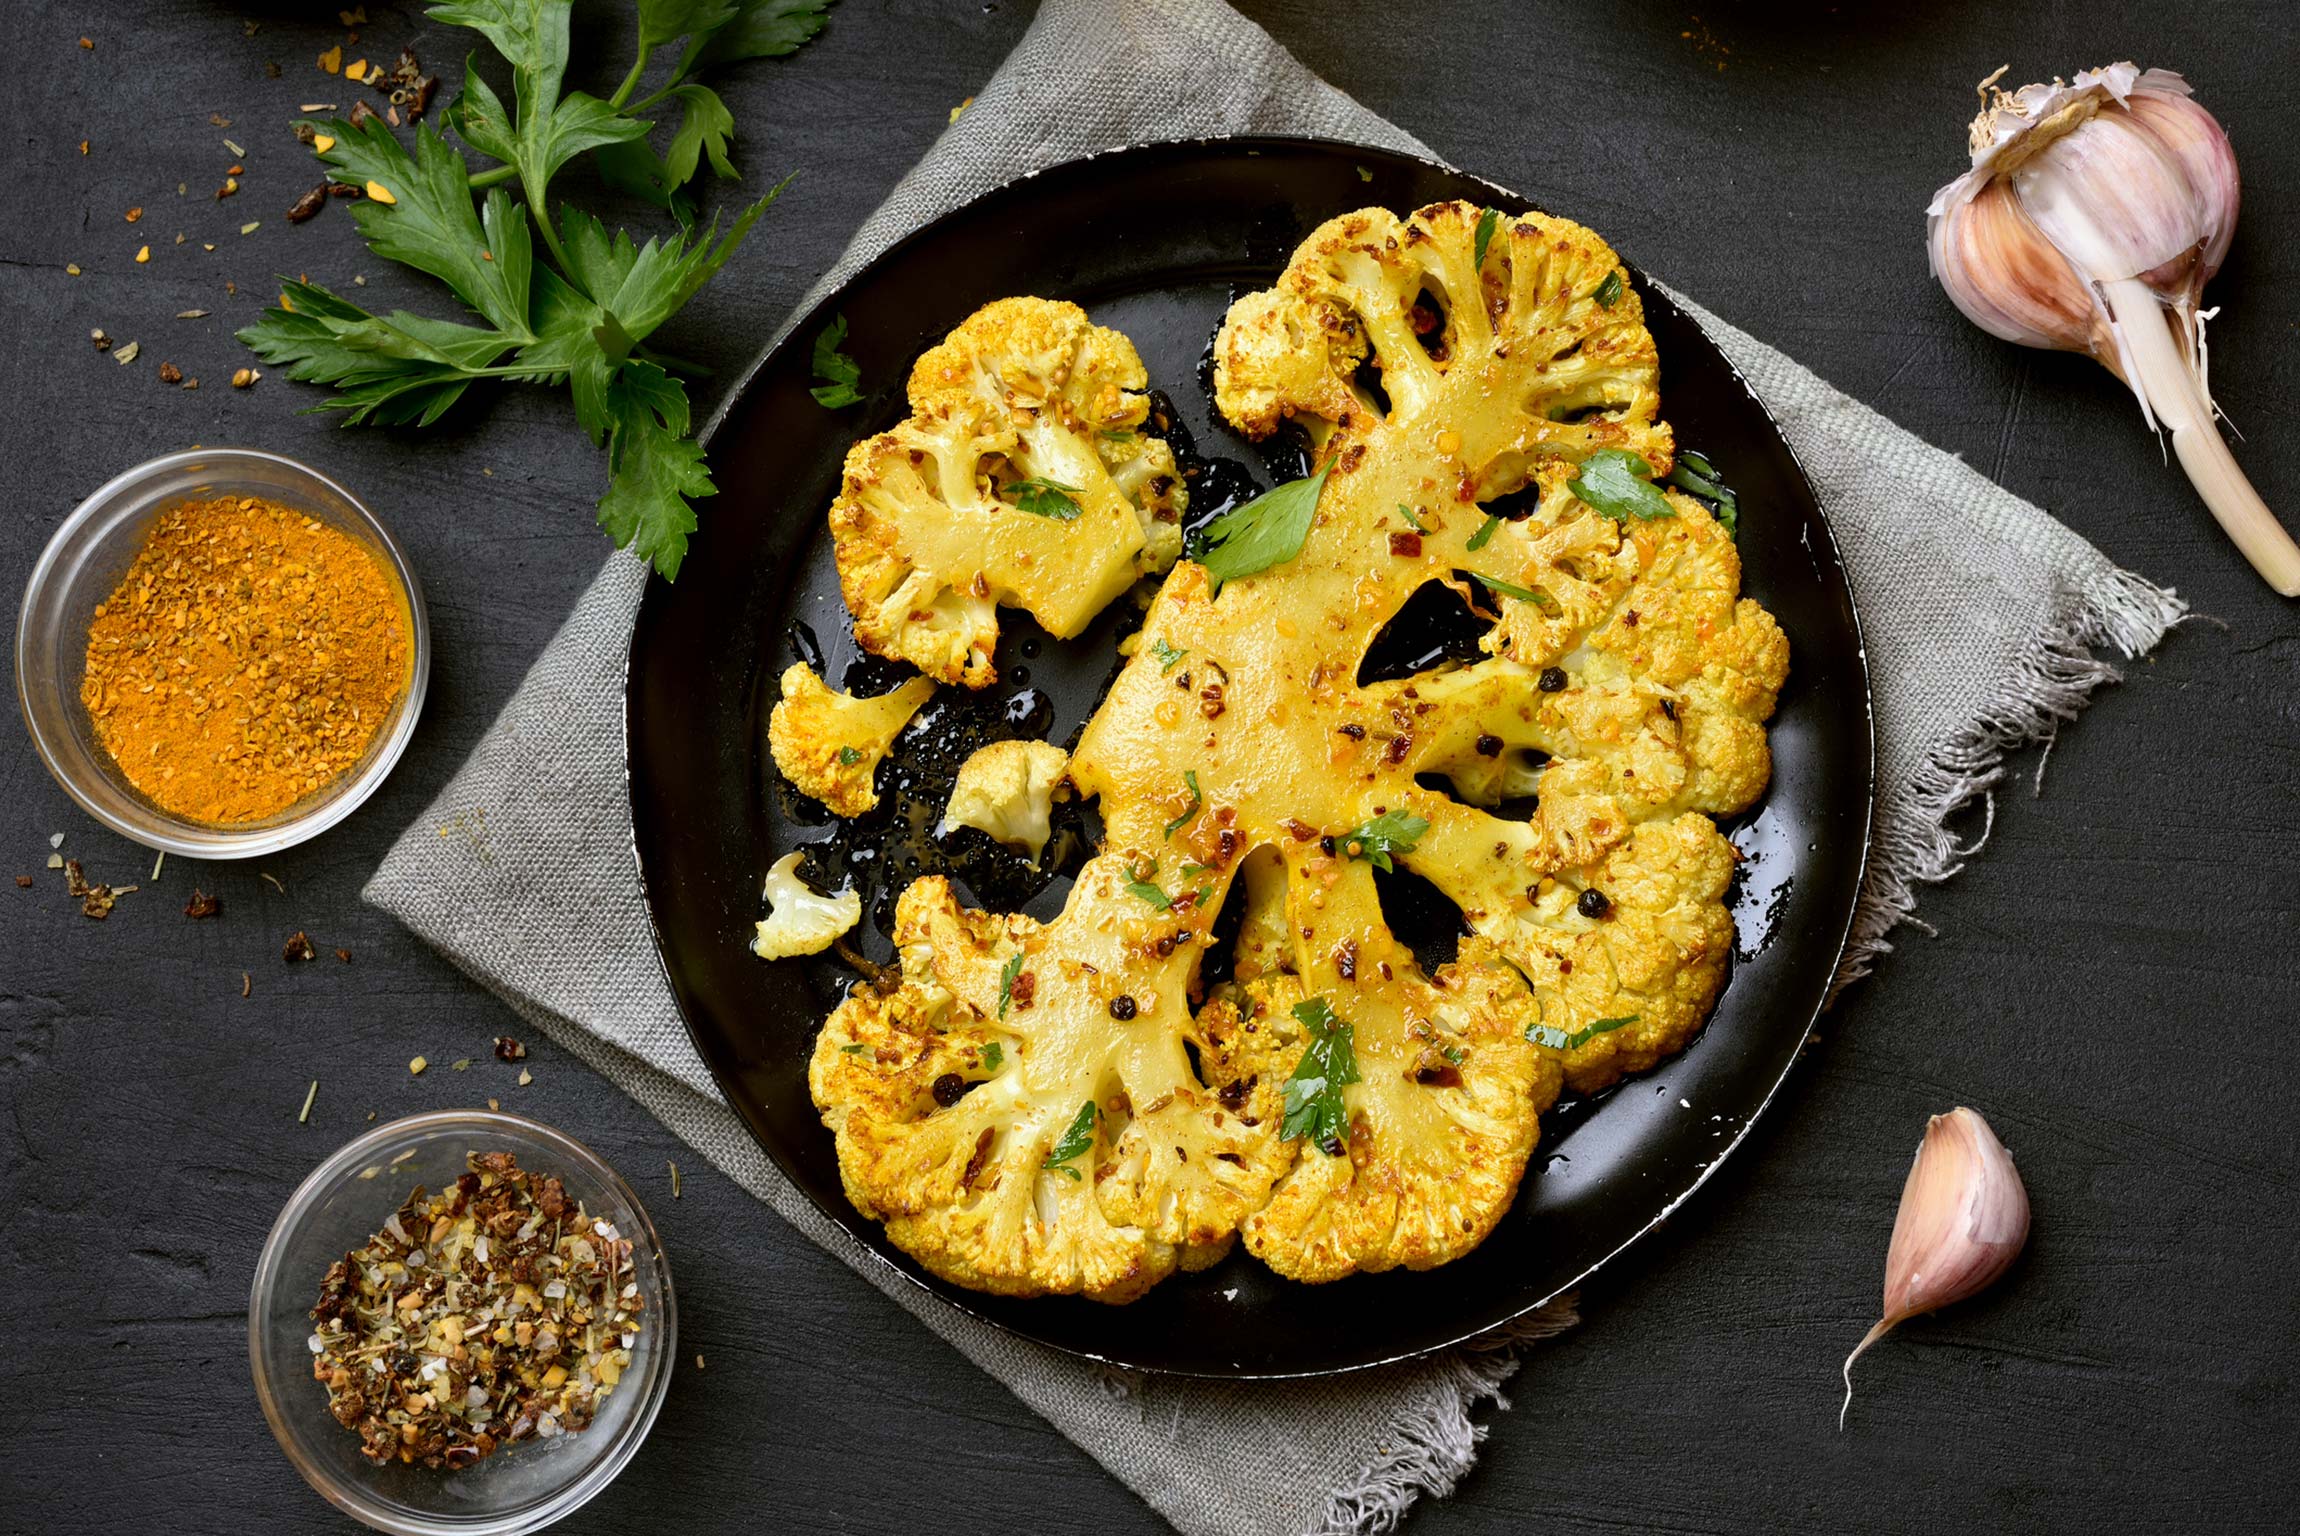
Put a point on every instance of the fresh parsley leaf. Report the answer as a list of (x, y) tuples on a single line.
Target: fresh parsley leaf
[(545, 129), (1041, 497), (848, 757), (759, 29), (1412, 521), (704, 130), (1074, 1142), (1197, 802), (1313, 1094), (1484, 534), (654, 469), (1390, 832), (839, 372), (1558, 1040), (1507, 588), (1006, 977), (849, 1050), (1698, 476), (1608, 293), (1485, 227), (1267, 531), (993, 1054), (1619, 484), (1168, 656)]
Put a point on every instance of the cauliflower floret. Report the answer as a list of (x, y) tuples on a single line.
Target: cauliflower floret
[(1007, 790), (799, 922), (830, 744), (1236, 758), (1021, 477)]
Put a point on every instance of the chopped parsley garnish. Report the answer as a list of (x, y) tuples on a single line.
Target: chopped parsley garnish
[(1484, 534), (849, 1050), (1509, 589), (1006, 982), (1116, 434), (993, 1054), (1698, 476), (1169, 657), (1609, 292), (1041, 497), (839, 372), (1074, 1142), (1412, 521), (1619, 484), (1558, 1040), (1313, 1094), (1197, 802), (1149, 893), (848, 757), (1390, 832), (1455, 1054), (1267, 531), (1486, 223)]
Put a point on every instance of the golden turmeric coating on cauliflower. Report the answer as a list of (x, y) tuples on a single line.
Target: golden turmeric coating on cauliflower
[(1365, 1115), (798, 920), (1021, 477), (830, 744)]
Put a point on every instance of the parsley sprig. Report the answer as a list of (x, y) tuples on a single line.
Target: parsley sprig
[(1041, 497), (1389, 833), (1558, 1040), (579, 314), (841, 375), (1313, 1094), (1619, 484), (1697, 475), (1267, 531)]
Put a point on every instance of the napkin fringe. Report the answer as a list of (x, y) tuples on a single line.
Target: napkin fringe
[(1433, 1444), (2049, 682)]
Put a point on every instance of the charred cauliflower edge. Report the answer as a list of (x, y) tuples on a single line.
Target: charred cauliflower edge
[(1061, 1106)]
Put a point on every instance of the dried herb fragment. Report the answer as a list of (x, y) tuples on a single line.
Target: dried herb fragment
[(508, 1049), (298, 947), (344, 955), (202, 904), (308, 205), (171, 374), (23, 882)]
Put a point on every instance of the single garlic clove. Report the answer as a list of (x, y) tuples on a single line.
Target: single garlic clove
[(1963, 1218), (2191, 136), (2010, 281)]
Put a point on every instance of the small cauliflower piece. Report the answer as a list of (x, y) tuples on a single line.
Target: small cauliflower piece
[(1007, 790), (1022, 477), (799, 922), (830, 744)]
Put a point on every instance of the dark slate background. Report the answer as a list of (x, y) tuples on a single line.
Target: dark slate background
[(2112, 982)]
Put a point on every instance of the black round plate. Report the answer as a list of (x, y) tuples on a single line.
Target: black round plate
[(1156, 240)]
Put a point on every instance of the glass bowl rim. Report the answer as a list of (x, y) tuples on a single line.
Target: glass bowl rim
[(344, 1163), (155, 828)]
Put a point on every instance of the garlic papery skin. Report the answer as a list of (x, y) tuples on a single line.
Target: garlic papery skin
[(1963, 1219), (2094, 213)]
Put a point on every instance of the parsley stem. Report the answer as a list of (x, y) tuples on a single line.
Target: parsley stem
[(630, 81), (655, 99), (672, 364), (490, 178)]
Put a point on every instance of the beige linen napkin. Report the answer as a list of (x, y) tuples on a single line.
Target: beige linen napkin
[(1980, 612)]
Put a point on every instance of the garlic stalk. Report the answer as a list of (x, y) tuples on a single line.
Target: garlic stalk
[(2094, 213), (1963, 1217)]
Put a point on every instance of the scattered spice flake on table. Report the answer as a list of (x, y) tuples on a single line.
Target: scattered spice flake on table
[(23, 882), (202, 904), (298, 947), (247, 658), (95, 900), (493, 1312), (508, 1049), (344, 955)]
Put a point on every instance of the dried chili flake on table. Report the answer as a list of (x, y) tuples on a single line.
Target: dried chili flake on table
[(495, 1311), (248, 658), (202, 904), (298, 947), (508, 1049)]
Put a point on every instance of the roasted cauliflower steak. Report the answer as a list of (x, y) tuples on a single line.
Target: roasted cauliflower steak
[(1060, 1106), (830, 743), (1022, 477)]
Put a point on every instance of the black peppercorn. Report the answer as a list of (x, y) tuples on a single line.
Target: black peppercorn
[(1489, 746), (949, 1089), (1122, 1007), (1593, 903), (1327, 845), (1552, 679)]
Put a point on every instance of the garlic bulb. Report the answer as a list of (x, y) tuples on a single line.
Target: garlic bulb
[(1963, 1217), (2094, 213)]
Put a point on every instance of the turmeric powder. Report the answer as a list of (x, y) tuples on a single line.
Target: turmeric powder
[(246, 660)]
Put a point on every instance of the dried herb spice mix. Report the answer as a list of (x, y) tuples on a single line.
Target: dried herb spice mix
[(247, 659)]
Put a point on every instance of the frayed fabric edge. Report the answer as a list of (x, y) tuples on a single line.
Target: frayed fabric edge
[(1433, 1446), (2049, 683)]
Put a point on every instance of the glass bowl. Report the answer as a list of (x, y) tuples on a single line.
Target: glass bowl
[(522, 1487), (81, 567)]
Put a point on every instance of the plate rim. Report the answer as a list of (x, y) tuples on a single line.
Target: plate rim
[(1830, 553)]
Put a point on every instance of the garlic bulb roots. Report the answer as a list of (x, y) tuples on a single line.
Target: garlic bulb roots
[(2094, 213), (1963, 1218)]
